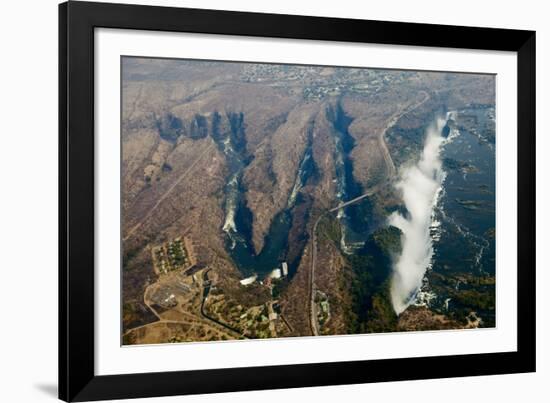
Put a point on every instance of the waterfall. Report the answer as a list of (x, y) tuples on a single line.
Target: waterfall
[(420, 185)]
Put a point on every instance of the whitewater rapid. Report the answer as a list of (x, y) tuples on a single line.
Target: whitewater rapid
[(421, 186)]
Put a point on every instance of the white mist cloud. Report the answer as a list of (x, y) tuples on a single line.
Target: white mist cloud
[(420, 185)]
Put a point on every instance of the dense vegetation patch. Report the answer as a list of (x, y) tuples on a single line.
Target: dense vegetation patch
[(372, 310)]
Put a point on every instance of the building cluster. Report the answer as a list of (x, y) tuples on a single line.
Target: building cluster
[(176, 254), (319, 82)]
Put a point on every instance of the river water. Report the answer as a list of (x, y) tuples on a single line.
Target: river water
[(463, 226), (238, 218), (449, 196), (466, 210), (355, 220)]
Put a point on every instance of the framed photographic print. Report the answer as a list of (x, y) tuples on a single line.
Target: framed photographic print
[(258, 201)]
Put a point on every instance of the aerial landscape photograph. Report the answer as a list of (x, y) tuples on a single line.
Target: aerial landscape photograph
[(263, 200)]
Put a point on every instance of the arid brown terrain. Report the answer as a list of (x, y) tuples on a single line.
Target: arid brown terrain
[(290, 138)]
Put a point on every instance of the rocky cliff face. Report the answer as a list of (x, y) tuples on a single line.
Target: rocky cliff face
[(270, 177)]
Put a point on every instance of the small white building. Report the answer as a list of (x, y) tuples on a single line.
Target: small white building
[(285, 269)]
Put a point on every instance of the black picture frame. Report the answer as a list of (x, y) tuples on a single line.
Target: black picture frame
[(77, 379)]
